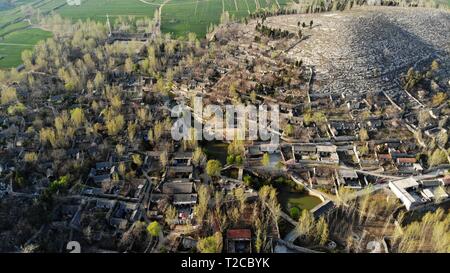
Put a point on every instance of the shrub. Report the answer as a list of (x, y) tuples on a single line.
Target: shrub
[(230, 159), (239, 160), (295, 213)]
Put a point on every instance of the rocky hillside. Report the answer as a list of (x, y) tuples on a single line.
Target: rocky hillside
[(366, 49)]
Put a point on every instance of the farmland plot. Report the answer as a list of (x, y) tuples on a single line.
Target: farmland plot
[(13, 44)]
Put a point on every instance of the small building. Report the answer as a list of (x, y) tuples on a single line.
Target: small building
[(408, 165), (253, 152), (328, 153), (349, 179), (103, 178), (433, 190), (384, 158), (323, 177), (185, 199), (342, 128), (374, 124), (406, 191), (446, 180), (103, 166), (177, 187), (239, 241), (406, 161), (304, 152)]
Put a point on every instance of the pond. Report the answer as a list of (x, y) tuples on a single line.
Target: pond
[(216, 150), (289, 199)]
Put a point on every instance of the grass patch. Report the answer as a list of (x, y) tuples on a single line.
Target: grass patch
[(303, 202)]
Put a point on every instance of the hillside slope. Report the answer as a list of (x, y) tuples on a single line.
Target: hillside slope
[(366, 49)]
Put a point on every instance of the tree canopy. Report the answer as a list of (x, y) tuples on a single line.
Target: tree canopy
[(213, 168), (154, 228), (211, 244)]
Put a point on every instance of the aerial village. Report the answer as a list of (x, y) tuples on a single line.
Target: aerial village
[(86, 152)]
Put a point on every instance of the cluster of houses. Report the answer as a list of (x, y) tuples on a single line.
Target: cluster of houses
[(327, 156), (348, 140), (178, 188)]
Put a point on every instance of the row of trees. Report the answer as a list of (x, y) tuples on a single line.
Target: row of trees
[(313, 230), (266, 214), (8, 95), (429, 234), (370, 209), (264, 13), (273, 33), (65, 125)]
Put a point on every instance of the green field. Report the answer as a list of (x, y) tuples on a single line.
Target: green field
[(16, 33), (178, 16), (29, 7), (183, 16), (98, 9), (13, 27), (13, 44)]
